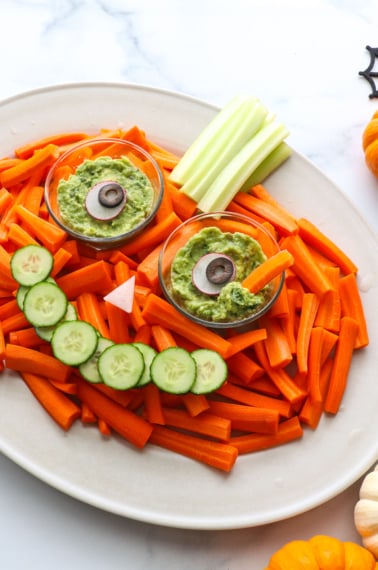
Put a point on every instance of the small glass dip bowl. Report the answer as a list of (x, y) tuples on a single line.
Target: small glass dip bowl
[(210, 271), (108, 197)]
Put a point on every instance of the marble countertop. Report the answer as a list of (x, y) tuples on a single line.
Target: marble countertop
[(303, 60)]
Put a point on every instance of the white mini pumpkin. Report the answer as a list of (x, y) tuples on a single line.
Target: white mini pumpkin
[(366, 512)]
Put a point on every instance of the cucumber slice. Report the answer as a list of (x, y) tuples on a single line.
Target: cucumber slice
[(45, 304), (174, 370), (89, 369), (23, 289), (45, 333), (121, 366), (74, 342), (20, 296), (211, 371), (149, 354), (31, 264)]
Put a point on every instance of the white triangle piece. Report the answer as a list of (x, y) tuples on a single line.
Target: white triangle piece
[(123, 295)]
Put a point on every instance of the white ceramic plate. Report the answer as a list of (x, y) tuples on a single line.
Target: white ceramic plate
[(153, 485)]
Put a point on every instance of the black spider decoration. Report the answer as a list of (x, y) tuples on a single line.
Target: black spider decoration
[(369, 74)]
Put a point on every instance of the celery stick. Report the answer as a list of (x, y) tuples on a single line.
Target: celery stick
[(268, 165), (233, 176), (200, 146), (246, 123)]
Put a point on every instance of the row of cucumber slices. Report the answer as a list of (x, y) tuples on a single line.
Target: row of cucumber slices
[(100, 360)]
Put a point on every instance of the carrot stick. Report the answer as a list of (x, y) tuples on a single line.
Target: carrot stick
[(166, 204), (280, 378), (206, 424), (47, 233), (14, 322), (152, 404), (182, 204), (121, 272), (25, 337), (70, 245), (268, 270), (118, 323), (136, 318), (289, 323), (304, 265), (61, 408), (244, 367), (314, 363), (163, 337), (313, 236), (6, 163), (93, 278), (280, 219), (164, 160), (306, 322), (87, 416), (152, 235), (9, 309), (342, 361), (24, 359), (5, 269), (61, 258), (276, 344), (160, 312), (252, 398), (295, 285), (241, 341), (26, 150), (133, 428), (195, 404), (351, 306), (34, 199), (311, 411), (288, 430), (216, 454), (2, 343), (329, 343), (121, 397), (147, 272), (143, 334), (238, 209), (6, 200), (104, 428), (65, 387), (329, 311), (260, 191), (20, 237), (137, 136), (247, 418), (89, 310), (3, 233), (116, 256), (41, 158), (280, 308)]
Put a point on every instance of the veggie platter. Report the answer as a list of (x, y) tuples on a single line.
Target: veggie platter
[(152, 484)]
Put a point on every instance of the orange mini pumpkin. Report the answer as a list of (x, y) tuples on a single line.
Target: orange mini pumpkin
[(370, 144), (322, 552)]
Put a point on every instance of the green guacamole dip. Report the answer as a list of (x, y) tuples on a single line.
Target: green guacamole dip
[(72, 193), (234, 302)]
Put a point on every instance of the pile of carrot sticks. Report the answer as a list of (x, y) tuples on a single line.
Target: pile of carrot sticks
[(284, 374)]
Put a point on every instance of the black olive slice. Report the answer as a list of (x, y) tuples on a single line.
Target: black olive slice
[(220, 269), (111, 194), (212, 271), (105, 200)]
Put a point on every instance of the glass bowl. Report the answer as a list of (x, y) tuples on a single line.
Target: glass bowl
[(203, 261), (95, 201)]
